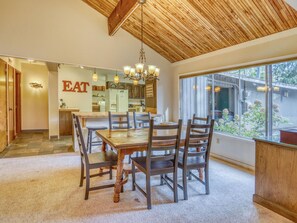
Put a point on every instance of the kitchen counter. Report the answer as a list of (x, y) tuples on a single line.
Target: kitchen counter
[(276, 177), (65, 121), (276, 142), (69, 109), (102, 115)]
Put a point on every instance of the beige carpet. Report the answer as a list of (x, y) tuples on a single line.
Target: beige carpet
[(45, 189)]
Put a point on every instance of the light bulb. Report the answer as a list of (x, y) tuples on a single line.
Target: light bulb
[(151, 69), (139, 67), (127, 70), (95, 77), (157, 72), (132, 72), (116, 79)]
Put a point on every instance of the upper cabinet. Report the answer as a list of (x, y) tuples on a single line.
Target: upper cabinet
[(134, 91)]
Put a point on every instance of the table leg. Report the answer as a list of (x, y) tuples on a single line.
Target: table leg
[(103, 148), (118, 183)]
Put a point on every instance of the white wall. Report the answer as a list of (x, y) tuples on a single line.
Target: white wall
[(34, 100), (234, 149), (71, 32), (81, 100)]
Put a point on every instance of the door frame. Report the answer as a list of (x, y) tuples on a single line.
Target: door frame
[(18, 104)]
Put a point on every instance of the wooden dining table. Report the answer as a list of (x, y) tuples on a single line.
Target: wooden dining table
[(126, 142)]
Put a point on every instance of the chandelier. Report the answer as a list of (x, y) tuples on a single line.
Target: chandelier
[(139, 72)]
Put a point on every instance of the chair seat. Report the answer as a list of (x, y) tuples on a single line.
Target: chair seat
[(103, 158), (192, 162), (94, 128), (157, 167)]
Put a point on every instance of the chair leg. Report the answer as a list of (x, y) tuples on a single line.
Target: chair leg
[(122, 187), (148, 192), (133, 176), (110, 172), (87, 183), (81, 174), (206, 180), (189, 175), (185, 184), (161, 179), (88, 140), (91, 138), (175, 186)]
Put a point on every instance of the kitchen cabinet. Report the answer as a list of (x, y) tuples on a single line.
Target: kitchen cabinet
[(134, 91)]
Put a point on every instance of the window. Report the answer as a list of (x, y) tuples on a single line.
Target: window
[(250, 102)]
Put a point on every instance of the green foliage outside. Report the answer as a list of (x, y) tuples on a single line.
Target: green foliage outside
[(252, 123), (283, 73)]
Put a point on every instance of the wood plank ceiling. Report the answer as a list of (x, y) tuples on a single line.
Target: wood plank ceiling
[(181, 29)]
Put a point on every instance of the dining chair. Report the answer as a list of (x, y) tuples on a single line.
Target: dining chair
[(91, 161), (197, 136), (161, 138), (119, 120), (90, 139), (200, 120), (141, 120)]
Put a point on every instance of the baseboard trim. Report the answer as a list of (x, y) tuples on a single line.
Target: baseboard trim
[(233, 162), (53, 137), (275, 207)]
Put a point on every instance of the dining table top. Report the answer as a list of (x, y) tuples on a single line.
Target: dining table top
[(133, 138)]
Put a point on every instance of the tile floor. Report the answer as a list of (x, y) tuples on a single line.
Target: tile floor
[(32, 143)]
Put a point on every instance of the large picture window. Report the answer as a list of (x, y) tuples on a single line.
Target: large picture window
[(251, 102)]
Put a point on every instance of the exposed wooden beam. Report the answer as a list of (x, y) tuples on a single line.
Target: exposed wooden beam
[(120, 14)]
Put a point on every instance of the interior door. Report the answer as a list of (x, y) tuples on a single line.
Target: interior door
[(3, 106), (11, 107)]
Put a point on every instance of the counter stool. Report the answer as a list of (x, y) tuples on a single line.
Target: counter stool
[(90, 141)]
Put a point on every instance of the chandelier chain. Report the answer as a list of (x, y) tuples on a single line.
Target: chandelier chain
[(142, 58)]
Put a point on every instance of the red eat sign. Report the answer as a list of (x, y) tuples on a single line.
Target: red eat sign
[(80, 87)]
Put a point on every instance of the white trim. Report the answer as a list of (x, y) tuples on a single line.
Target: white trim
[(234, 66), (265, 39), (232, 161)]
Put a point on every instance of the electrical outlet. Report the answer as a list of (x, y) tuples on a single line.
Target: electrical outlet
[(218, 141)]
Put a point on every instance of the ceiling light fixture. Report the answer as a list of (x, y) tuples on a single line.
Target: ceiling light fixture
[(116, 78), (95, 76), (138, 73)]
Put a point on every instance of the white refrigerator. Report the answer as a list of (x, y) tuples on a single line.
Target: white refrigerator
[(116, 100)]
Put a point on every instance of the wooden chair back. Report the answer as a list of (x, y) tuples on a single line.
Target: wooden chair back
[(200, 120), (80, 140), (198, 136), (165, 144), (141, 120), (119, 120)]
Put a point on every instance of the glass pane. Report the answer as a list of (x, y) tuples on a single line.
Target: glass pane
[(194, 97), (284, 88), (240, 102)]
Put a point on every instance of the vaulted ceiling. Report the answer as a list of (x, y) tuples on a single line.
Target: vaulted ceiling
[(181, 29)]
